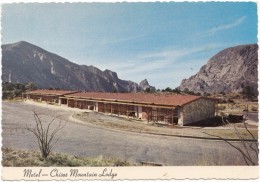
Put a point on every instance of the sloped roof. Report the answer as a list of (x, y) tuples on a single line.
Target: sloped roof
[(51, 92), (145, 98)]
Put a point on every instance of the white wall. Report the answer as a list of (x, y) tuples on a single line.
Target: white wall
[(139, 115), (198, 110)]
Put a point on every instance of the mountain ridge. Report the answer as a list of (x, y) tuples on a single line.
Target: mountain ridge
[(23, 62)]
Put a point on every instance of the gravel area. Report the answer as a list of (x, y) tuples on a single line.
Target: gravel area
[(128, 124), (112, 121)]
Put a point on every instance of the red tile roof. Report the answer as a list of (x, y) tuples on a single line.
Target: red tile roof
[(51, 92), (145, 98)]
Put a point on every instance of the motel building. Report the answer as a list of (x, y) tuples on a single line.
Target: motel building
[(152, 107)]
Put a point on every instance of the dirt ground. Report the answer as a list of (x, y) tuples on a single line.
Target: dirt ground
[(128, 124), (238, 107)]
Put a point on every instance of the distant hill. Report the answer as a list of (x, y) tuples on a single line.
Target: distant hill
[(23, 62), (228, 71)]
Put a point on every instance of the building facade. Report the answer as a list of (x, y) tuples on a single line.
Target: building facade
[(48, 96), (162, 108)]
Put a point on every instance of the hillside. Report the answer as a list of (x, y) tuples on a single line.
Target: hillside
[(23, 62), (228, 71)]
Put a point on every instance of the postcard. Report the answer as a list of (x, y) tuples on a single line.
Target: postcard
[(129, 90)]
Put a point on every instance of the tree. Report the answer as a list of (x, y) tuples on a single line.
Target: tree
[(168, 89), (186, 91), (222, 93), (206, 94), (30, 86), (198, 94), (148, 89), (176, 90), (46, 137), (249, 92), (12, 90)]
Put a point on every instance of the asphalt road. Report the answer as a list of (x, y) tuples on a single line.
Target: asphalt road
[(253, 116), (80, 139)]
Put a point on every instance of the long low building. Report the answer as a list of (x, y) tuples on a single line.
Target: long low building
[(49, 96), (165, 108)]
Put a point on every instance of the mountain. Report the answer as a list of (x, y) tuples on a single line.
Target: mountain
[(228, 71), (23, 62), (144, 85)]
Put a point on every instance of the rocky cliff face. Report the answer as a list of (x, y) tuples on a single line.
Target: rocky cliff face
[(23, 62), (144, 85), (227, 71)]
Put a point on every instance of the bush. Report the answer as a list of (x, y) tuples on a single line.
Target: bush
[(13, 90), (221, 107), (17, 158), (235, 118), (254, 109), (211, 122), (230, 101)]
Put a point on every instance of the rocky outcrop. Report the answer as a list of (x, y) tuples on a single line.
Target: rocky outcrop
[(144, 86), (23, 62), (228, 71)]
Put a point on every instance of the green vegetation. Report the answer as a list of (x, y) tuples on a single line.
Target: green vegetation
[(237, 107), (178, 91), (148, 90), (18, 158), (14, 90), (249, 93)]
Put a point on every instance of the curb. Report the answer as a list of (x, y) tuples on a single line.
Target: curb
[(201, 138), (160, 134)]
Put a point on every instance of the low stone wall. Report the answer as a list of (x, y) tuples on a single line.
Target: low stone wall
[(198, 110)]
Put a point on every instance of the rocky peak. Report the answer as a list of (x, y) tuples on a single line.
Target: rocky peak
[(111, 74), (145, 85), (226, 72), (144, 82)]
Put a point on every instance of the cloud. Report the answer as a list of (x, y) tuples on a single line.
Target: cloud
[(165, 74), (172, 54), (158, 59), (218, 28), (163, 67), (227, 26), (115, 40)]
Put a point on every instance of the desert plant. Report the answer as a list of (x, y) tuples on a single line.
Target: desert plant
[(46, 137), (245, 149)]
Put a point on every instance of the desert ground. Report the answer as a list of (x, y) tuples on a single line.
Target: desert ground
[(86, 139)]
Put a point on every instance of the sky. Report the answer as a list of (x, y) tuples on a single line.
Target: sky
[(162, 42)]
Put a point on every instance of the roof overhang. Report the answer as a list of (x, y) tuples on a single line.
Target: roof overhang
[(122, 102)]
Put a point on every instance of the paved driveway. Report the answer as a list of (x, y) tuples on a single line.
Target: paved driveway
[(253, 116), (80, 139)]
